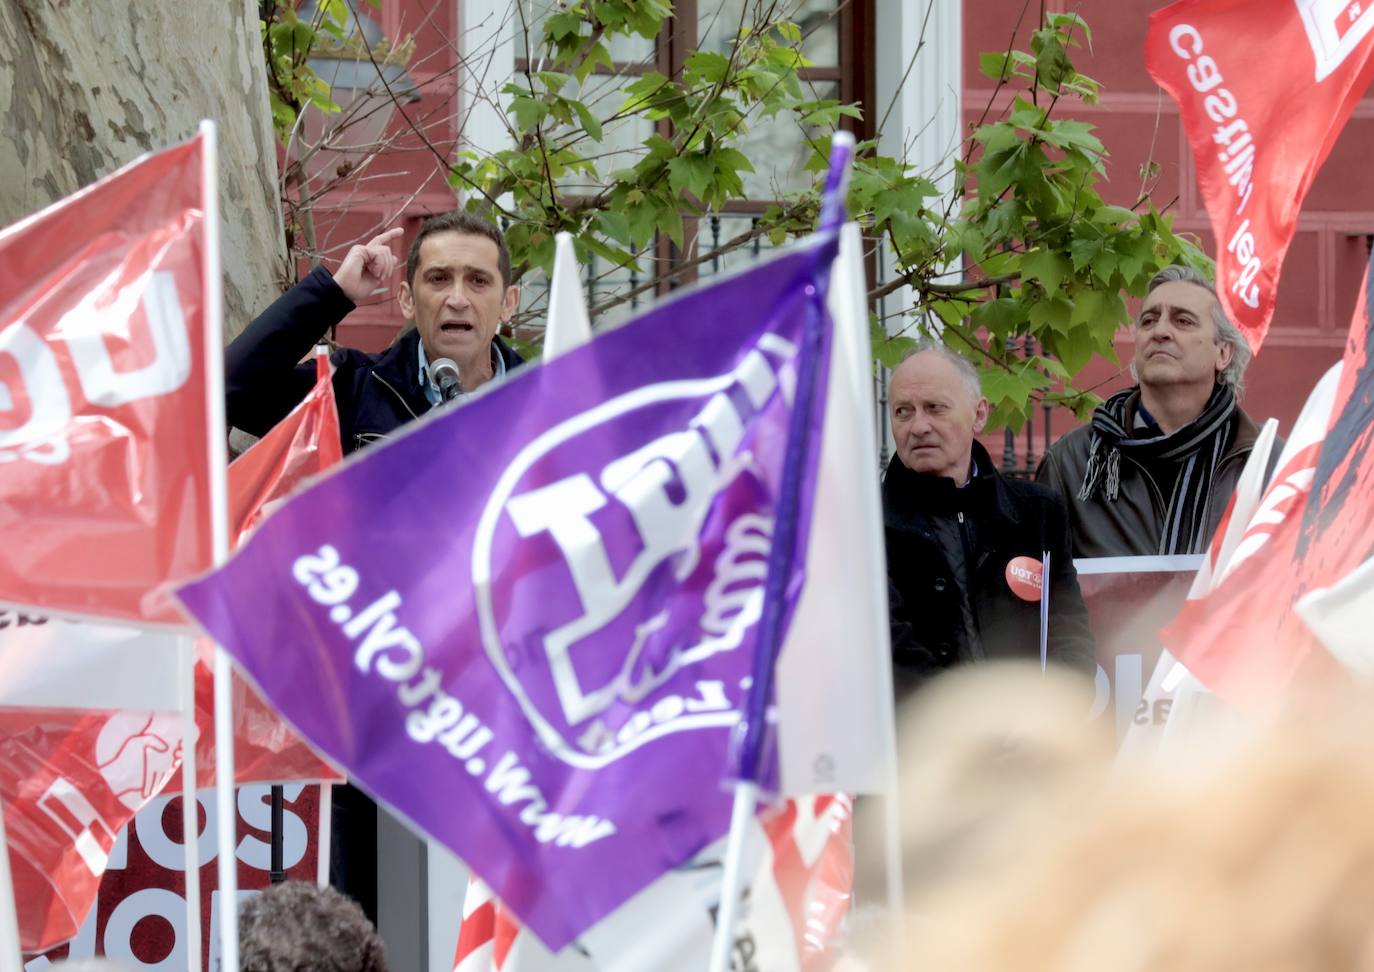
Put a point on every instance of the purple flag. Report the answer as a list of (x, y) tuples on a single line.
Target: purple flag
[(529, 624)]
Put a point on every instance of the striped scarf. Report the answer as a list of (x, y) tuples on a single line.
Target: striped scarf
[(1197, 447)]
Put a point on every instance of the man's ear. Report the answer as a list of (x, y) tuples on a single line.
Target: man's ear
[(510, 303), (980, 416), (407, 301), (1225, 352)]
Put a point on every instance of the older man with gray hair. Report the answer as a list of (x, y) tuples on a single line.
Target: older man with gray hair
[(1155, 470), (966, 547)]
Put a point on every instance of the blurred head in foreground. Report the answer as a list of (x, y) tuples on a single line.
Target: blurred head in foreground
[(988, 752), (1255, 853), (301, 927)]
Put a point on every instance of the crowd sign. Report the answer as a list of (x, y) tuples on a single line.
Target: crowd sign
[(1129, 599), (140, 914)]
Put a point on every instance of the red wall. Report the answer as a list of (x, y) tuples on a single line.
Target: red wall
[(407, 182), (1136, 121)]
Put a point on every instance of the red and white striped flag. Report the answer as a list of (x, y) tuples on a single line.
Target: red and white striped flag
[(803, 874)]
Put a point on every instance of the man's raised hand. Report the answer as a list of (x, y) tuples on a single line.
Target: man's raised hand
[(368, 266)]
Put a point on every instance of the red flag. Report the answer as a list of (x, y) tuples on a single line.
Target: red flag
[(1264, 87), (70, 781), (103, 408), (1245, 641), (56, 766), (302, 445)]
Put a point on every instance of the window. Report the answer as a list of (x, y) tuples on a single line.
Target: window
[(835, 33)]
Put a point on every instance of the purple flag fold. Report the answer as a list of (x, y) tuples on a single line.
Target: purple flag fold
[(529, 624)]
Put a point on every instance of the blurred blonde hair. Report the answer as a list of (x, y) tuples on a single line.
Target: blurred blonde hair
[(1256, 857)]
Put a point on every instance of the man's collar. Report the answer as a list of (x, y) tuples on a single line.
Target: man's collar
[(431, 388), (1143, 419)]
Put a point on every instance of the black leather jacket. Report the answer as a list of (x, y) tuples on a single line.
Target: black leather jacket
[(376, 393), (947, 555)]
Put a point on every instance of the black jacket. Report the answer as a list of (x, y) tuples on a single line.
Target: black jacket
[(376, 393), (937, 533), (1131, 525)]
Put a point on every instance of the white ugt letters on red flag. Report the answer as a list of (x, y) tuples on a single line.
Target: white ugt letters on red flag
[(103, 443), (1264, 87)]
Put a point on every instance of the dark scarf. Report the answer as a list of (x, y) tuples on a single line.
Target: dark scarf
[(1197, 448)]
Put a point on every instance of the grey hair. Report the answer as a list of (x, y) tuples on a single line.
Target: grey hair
[(961, 364), (1227, 333)]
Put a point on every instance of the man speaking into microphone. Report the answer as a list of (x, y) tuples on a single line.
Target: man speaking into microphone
[(457, 292)]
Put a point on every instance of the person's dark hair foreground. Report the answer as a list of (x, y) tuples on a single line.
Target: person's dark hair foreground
[(301, 927)]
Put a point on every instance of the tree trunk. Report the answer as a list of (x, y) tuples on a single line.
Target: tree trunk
[(86, 87)]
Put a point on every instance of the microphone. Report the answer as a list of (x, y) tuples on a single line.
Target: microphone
[(444, 371)]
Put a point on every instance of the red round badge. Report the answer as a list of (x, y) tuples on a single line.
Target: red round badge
[(1025, 577)]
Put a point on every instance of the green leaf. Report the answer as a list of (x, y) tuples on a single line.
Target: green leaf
[(889, 351), (1067, 21), (728, 158), (1000, 316), (707, 66), (1067, 134), (1085, 252), (589, 122), (660, 147), (615, 255), (642, 220), (671, 223), (1046, 267), (1134, 256), (995, 65), (1089, 308), (1050, 316), (1026, 114), (1000, 385), (1015, 385), (562, 26), (528, 112), (1074, 348), (614, 225), (692, 173), (1054, 368), (1052, 62)]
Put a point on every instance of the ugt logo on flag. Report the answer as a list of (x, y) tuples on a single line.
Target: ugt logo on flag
[(544, 607), (631, 533)]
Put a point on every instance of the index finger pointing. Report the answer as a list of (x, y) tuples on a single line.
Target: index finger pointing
[(384, 239)]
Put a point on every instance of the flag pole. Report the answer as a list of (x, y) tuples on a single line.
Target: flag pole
[(190, 806), (11, 955), (326, 834), (850, 309), (226, 812), (1044, 610), (753, 722), (746, 799)]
